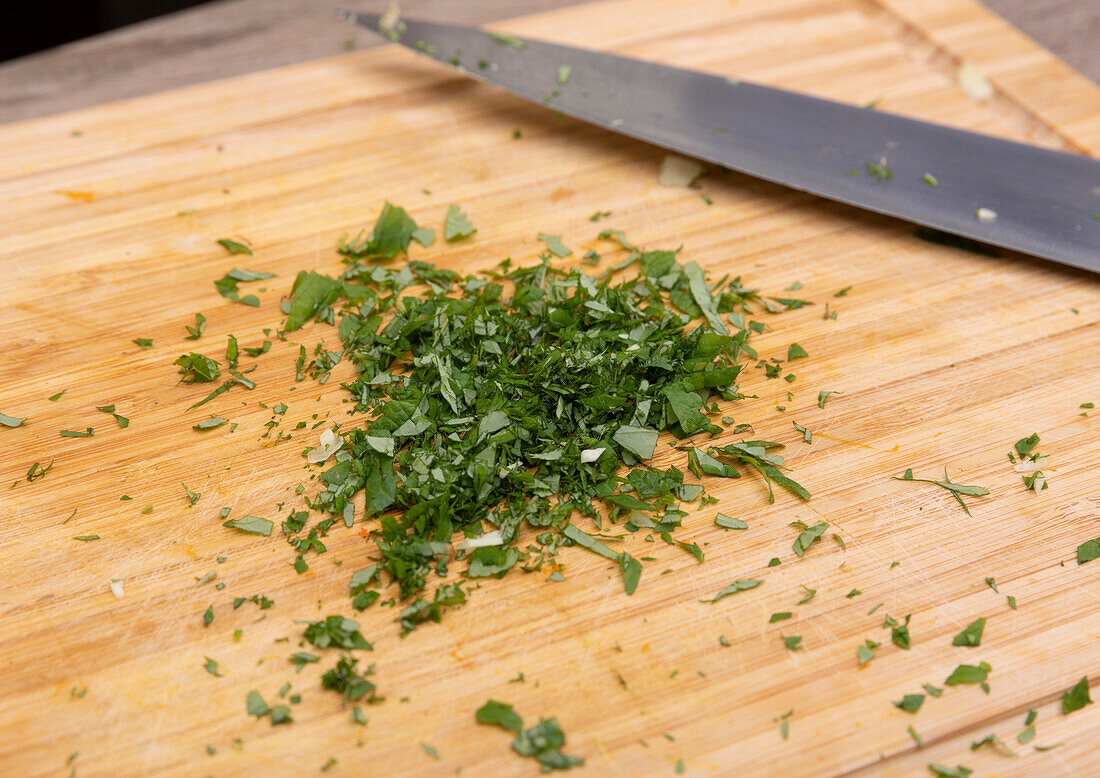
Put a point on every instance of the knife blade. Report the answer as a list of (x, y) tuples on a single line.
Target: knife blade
[(1037, 201)]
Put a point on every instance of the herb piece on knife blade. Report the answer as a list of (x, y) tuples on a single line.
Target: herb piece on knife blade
[(957, 490), (510, 41)]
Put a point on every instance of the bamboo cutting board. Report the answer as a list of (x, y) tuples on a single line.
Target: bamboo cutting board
[(942, 358)]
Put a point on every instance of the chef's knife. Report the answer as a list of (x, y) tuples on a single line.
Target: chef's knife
[(1034, 200)]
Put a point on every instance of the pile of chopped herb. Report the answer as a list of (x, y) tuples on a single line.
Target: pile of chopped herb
[(518, 397)]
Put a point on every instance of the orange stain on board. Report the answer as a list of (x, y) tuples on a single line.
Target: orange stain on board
[(856, 443), (85, 197)]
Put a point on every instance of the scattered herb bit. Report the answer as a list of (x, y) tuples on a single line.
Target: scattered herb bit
[(727, 522), (196, 368), (968, 674), (807, 436), (564, 72), (336, 631), (853, 593), (972, 635), (54, 398), (992, 584), (910, 702), (254, 525), (554, 245), (194, 333), (457, 225), (122, 420), (36, 471), (734, 588), (211, 667), (233, 247), (1088, 551), (87, 433), (1077, 697), (543, 741), (809, 536), (227, 285), (823, 396), (958, 771), (808, 596), (930, 179), (208, 616), (957, 490), (344, 678), (795, 351), (792, 642), (866, 652), (783, 616), (916, 737), (213, 421)]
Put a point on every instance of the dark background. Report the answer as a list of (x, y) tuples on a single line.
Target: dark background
[(46, 23)]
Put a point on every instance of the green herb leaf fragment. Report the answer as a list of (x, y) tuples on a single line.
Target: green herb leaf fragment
[(457, 226), (968, 674), (972, 635), (10, 421), (740, 585), (910, 702), (554, 245), (253, 525), (1077, 697), (233, 247)]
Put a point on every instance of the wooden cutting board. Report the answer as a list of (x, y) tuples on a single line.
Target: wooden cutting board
[(941, 359)]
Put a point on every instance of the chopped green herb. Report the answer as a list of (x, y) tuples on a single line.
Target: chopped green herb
[(344, 678), (783, 616), (208, 616), (792, 642), (122, 420), (211, 667), (543, 741), (227, 285), (823, 396), (457, 226), (554, 245), (213, 421), (958, 771), (734, 588), (968, 674), (1077, 697), (910, 702), (727, 522), (807, 436), (194, 333), (87, 433), (254, 525), (930, 179), (972, 635), (1088, 551), (233, 247), (196, 368), (957, 490), (866, 652)]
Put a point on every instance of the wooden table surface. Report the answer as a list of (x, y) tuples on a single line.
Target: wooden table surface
[(944, 359), (233, 37)]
